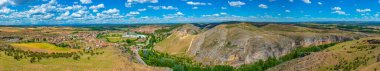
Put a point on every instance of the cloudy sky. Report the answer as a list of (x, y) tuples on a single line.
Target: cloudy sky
[(184, 11)]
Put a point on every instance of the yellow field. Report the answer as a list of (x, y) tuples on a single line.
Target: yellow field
[(41, 47), (111, 60)]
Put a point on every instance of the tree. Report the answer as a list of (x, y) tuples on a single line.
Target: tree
[(33, 59), (76, 57)]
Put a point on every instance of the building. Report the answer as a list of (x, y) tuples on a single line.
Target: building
[(133, 35)]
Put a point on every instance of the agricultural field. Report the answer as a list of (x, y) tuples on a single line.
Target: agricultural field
[(76, 49), (109, 61), (42, 47)]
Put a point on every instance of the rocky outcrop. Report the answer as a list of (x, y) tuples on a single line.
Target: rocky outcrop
[(237, 44)]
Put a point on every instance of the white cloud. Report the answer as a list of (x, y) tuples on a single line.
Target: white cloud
[(4, 3), (142, 1), (376, 15), (169, 7), (197, 3), (143, 9), (48, 16), (63, 16), (320, 3), (85, 1), (336, 8), (179, 13), (363, 10), (111, 11), (212, 15), (54, 13), (128, 5), (133, 13), (291, 0), (79, 13), (223, 13), (287, 11), (155, 7), (5, 10), (307, 1), (163, 7), (340, 12), (43, 8), (96, 7), (130, 2), (223, 8), (175, 15), (263, 6), (76, 15), (236, 3), (67, 13), (194, 8)]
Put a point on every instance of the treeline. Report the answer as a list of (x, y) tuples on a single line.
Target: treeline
[(155, 58), (19, 54), (62, 45)]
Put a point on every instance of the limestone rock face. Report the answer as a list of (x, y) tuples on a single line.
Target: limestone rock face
[(237, 44)]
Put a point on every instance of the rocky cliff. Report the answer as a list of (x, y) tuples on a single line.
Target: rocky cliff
[(237, 44)]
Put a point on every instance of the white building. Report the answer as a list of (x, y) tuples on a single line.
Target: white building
[(133, 35)]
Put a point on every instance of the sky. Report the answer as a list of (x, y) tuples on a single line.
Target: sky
[(14, 12)]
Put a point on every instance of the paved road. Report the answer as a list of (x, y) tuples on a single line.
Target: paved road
[(135, 50)]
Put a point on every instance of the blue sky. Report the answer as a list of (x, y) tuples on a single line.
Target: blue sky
[(184, 11)]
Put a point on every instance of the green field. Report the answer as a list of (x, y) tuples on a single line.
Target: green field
[(41, 47)]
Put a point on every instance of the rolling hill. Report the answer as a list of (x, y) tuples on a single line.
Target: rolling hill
[(361, 55)]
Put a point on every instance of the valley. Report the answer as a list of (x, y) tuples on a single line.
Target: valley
[(239, 46), (189, 35)]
